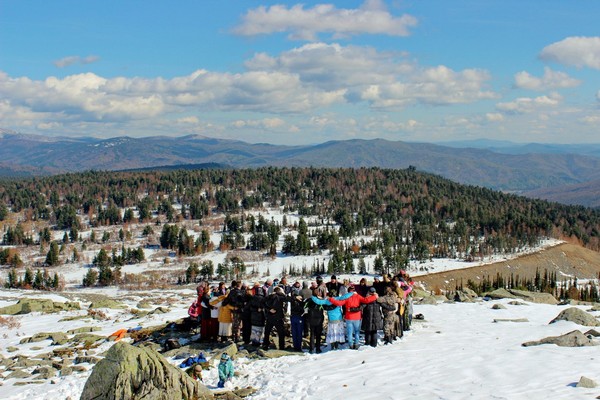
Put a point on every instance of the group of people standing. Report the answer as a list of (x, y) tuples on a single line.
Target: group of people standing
[(250, 313)]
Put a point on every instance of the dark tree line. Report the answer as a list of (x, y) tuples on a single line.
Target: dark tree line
[(409, 214)]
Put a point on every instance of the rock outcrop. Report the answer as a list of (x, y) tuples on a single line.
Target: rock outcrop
[(571, 339), (578, 316), (130, 372), (533, 297), (25, 306)]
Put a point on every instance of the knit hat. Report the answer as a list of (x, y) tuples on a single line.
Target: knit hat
[(333, 277)]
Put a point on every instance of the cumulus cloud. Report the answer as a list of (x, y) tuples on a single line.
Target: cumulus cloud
[(526, 105), (494, 117), (71, 60), (311, 77), (578, 51), (383, 79), (550, 80), (94, 98), (432, 85), (306, 23), (334, 66)]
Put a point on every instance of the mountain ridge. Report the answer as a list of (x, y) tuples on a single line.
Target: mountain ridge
[(40, 155)]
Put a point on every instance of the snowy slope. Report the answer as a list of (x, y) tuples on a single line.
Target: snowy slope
[(457, 352)]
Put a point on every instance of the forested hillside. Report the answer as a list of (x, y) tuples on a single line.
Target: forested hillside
[(396, 214)]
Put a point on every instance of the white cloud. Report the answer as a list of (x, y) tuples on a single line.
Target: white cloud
[(265, 123), (306, 23), (333, 66), (94, 98), (433, 86), (578, 51), (591, 119), (384, 79), (70, 60), (525, 105), (494, 117), (550, 80)]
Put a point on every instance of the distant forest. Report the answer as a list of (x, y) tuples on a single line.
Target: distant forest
[(396, 214)]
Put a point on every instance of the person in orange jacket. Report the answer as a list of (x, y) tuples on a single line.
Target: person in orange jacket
[(353, 314)]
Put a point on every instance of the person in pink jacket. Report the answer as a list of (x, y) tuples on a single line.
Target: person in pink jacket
[(353, 314)]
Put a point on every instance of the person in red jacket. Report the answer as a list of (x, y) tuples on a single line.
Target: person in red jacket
[(353, 314)]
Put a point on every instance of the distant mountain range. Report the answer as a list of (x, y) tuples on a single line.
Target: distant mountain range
[(498, 165)]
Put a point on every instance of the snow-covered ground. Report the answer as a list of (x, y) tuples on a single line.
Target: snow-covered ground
[(456, 352)]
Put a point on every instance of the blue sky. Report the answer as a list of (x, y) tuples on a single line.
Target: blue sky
[(298, 73)]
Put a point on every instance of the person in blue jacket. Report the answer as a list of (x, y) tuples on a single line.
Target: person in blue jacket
[(225, 370), (336, 332)]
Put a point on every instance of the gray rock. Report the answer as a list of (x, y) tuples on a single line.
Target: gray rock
[(144, 304), (245, 392), (501, 294), (534, 297), (571, 339), (419, 293), (58, 338), (498, 307), (230, 350), (18, 374), (25, 306), (88, 340), (86, 359), (517, 303), (586, 383), (427, 300), (130, 372), (44, 372), (23, 383), (462, 297), (578, 316), (106, 302), (511, 320), (84, 329), (275, 353), (159, 310), (592, 332)]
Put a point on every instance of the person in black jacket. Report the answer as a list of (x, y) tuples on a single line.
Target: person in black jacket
[(315, 318), (257, 316), (275, 305), (372, 320), (236, 299), (333, 287), (296, 319), (247, 316)]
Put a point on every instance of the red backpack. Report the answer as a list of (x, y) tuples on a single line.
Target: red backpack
[(194, 310)]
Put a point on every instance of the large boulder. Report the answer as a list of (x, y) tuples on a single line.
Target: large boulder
[(578, 316), (130, 372), (501, 293), (106, 302), (571, 339), (534, 297)]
